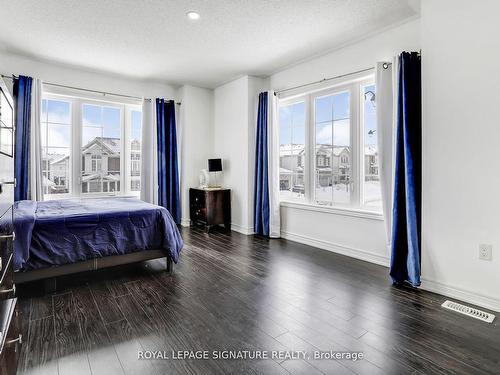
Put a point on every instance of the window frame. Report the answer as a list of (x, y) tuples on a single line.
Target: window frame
[(76, 128), (355, 88)]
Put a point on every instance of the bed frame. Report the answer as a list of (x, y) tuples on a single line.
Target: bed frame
[(50, 273)]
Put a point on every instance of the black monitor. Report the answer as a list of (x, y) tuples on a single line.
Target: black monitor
[(214, 165)]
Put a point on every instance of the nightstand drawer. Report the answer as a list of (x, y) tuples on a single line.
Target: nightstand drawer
[(198, 199), (199, 214)]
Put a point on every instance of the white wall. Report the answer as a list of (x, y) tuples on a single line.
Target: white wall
[(461, 176), (196, 125), (230, 140), (359, 237), (61, 74), (233, 141)]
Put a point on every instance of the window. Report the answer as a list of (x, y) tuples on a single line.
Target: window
[(135, 151), (328, 147), (104, 139), (102, 145), (332, 139), (292, 142), (96, 163), (56, 130), (372, 194)]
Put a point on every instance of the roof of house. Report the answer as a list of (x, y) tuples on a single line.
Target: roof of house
[(59, 159), (94, 176), (295, 148), (113, 145), (324, 149)]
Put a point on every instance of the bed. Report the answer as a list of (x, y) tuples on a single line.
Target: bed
[(59, 237)]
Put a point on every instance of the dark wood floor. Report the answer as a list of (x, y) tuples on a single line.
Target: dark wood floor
[(235, 292)]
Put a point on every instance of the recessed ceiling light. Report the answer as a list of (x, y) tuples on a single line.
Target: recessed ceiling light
[(193, 15)]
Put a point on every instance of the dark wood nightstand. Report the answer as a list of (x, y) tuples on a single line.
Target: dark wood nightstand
[(210, 207)]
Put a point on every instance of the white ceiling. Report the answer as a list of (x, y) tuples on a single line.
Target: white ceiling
[(152, 39)]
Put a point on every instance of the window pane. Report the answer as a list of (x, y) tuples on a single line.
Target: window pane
[(91, 115), (111, 122), (323, 173), (43, 117), (333, 149), (371, 190), (56, 170), (135, 151), (101, 148), (341, 107), (324, 109), (58, 112), (43, 131), (292, 156), (58, 135), (324, 134), (55, 129)]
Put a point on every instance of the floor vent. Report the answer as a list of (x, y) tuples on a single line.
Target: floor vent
[(469, 311)]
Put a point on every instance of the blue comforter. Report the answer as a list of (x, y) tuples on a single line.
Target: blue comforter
[(68, 231)]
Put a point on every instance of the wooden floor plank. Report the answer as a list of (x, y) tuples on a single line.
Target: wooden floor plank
[(69, 345), (41, 307), (100, 352), (105, 303), (38, 355), (127, 347)]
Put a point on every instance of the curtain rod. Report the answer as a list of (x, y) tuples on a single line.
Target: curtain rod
[(104, 93), (386, 65), (323, 80)]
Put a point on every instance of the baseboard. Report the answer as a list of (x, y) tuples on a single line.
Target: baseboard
[(241, 229), (336, 248), (439, 287), (236, 227)]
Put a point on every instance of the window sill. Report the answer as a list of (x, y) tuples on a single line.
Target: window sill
[(51, 197), (353, 212)]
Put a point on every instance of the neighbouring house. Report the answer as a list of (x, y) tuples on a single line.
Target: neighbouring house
[(333, 165), (101, 165), (100, 168), (371, 163), (55, 170)]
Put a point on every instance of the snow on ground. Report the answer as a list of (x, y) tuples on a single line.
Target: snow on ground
[(339, 194)]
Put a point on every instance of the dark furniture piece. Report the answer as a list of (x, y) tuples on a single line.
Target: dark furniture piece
[(210, 207), (10, 337)]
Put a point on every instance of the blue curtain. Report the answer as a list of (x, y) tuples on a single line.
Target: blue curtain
[(261, 188), (406, 225), (168, 171), (22, 102)]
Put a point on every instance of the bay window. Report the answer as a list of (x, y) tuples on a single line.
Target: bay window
[(90, 147), (328, 147)]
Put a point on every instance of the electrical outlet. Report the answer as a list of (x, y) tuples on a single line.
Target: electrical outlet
[(485, 251)]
